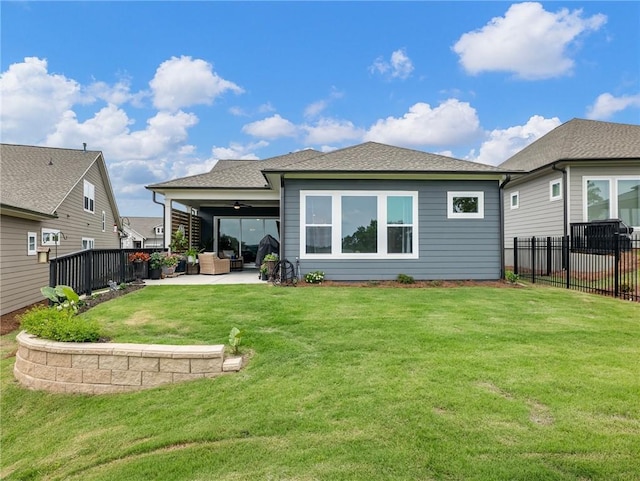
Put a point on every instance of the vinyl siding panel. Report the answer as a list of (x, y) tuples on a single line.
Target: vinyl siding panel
[(21, 277), (448, 248), (537, 215)]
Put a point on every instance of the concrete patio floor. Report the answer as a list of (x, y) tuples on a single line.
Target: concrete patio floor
[(246, 276)]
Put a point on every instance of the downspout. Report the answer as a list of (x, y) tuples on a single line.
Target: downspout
[(164, 208), (281, 215), (565, 205), (501, 210)]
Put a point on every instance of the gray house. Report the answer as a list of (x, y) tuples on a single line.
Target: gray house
[(59, 200), (142, 232), (367, 212), (581, 171)]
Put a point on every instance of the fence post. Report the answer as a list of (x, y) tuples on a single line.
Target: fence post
[(515, 255), (567, 253), (88, 269), (616, 250), (533, 260), (548, 256)]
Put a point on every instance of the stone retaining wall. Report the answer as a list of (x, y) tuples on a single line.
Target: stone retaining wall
[(100, 368)]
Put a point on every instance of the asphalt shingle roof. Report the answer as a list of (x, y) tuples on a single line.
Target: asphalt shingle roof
[(579, 139), (144, 225), (39, 178)]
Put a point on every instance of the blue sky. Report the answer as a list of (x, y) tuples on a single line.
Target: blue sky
[(165, 89)]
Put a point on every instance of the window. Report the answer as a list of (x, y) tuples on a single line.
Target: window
[(465, 205), (104, 221), (159, 230), (555, 190), (87, 243), (515, 200), (89, 196), (612, 198), (358, 224), (50, 237), (32, 243)]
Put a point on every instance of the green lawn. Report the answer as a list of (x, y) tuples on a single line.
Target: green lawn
[(467, 383)]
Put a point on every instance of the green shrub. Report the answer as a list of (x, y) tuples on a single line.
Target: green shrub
[(315, 277), (405, 279), (59, 325), (511, 277)]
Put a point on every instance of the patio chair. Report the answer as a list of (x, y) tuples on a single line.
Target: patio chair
[(211, 264)]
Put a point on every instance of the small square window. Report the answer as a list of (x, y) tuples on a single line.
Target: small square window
[(87, 243), (515, 200), (32, 244), (465, 205), (555, 190)]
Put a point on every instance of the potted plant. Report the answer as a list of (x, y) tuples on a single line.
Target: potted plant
[(156, 261), (179, 244), (270, 260), (169, 264), (192, 259), (138, 259), (264, 272)]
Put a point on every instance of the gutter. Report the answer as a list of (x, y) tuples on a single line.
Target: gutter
[(501, 210), (164, 213)]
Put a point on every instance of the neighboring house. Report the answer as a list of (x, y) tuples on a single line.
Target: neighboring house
[(583, 170), (57, 199), (142, 232), (367, 212)]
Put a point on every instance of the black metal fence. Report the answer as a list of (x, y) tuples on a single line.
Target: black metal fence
[(600, 260), (93, 269)]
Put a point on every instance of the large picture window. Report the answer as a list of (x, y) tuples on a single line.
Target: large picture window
[(358, 224), (612, 198)]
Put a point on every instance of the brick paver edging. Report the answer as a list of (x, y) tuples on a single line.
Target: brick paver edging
[(101, 368)]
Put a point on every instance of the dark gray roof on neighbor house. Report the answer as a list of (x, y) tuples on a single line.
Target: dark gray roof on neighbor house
[(245, 175), (579, 139), (38, 179), (381, 158), (145, 226)]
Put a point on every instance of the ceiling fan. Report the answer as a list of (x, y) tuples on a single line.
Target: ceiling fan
[(238, 205)]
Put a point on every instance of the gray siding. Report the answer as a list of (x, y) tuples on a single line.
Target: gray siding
[(537, 214), (21, 277), (448, 248)]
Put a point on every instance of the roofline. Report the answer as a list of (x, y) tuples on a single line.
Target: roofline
[(11, 210), (392, 172), (559, 161), (159, 187)]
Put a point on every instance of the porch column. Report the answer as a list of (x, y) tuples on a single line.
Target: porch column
[(168, 212)]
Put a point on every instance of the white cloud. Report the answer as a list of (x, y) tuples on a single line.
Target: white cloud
[(271, 128), (237, 151), (182, 82), (33, 100), (399, 65), (315, 109), (528, 41), (331, 130), (606, 105), (452, 122), (501, 144)]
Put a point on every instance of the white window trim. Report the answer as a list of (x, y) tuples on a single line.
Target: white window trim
[(465, 215), (55, 232), (515, 194), (551, 184), (89, 191), (30, 236), (89, 240), (336, 225), (613, 193), (159, 230)]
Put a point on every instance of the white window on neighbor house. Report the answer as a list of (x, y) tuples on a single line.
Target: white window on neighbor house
[(358, 225), (89, 196), (88, 243), (514, 203), (32, 243), (50, 237), (555, 189), (465, 205), (159, 230), (612, 198), (104, 221)]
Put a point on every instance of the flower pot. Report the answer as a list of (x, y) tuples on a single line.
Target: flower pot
[(155, 273), (192, 269), (168, 270)]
